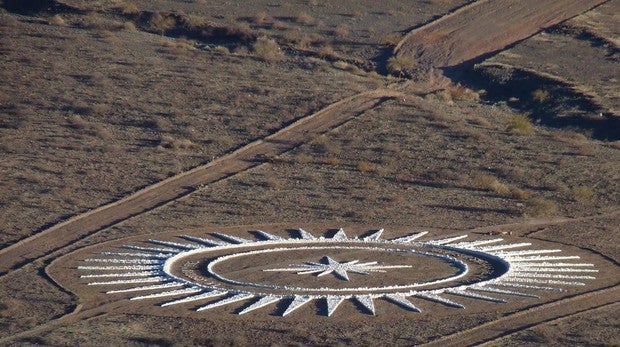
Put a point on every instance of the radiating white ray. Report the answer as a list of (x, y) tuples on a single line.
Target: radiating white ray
[(474, 295), (120, 267), (145, 288), (175, 244), (168, 293), (446, 240), (340, 235), (540, 258), (152, 249), (298, 301), (551, 269), (517, 253), (231, 238), (201, 296), (226, 301), (125, 261), (439, 299), (374, 236), (262, 302), (367, 302), (541, 281), (122, 274), (203, 241), (140, 255), (410, 237), (526, 286), (503, 291), (305, 235), (131, 281), (545, 275), (517, 264), (471, 244), (401, 301), (500, 247), (332, 303), (268, 236)]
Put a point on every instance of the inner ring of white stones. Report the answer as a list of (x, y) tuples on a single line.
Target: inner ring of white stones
[(460, 265)]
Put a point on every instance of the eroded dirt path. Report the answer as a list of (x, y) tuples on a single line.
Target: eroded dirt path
[(485, 27), (173, 188)]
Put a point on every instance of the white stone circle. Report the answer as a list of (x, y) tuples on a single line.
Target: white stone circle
[(149, 271)]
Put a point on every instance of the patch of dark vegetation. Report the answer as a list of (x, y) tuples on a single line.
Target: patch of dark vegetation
[(548, 101), (33, 7), (588, 35)]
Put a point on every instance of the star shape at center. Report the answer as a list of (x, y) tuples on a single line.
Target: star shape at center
[(340, 270)]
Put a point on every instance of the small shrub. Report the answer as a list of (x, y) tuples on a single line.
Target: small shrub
[(272, 183), (400, 64), (333, 161), (342, 65), (490, 183), (365, 167), (193, 22), (326, 51), (458, 92), (129, 26), (304, 18), (520, 124), (568, 135), (57, 20), (160, 23), (278, 25), (582, 194), (540, 95), (341, 31), (301, 40), (540, 207), (128, 9), (260, 18), (267, 49), (222, 50), (520, 194), (392, 39), (303, 158), (170, 142)]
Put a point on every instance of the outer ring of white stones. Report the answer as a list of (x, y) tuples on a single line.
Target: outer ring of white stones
[(523, 271)]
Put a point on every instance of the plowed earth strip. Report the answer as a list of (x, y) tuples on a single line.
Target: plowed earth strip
[(530, 317), (485, 27), (251, 155)]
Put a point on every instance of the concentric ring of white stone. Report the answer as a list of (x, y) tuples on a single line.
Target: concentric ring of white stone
[(463, 269), (525, 271)]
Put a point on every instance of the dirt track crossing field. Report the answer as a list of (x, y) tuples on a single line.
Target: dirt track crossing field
[(24, 251), (457, 38), (530, 317)]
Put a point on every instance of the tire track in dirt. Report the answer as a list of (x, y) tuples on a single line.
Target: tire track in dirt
[(36, 246), (530, 317), (491, 342), (485, 27)]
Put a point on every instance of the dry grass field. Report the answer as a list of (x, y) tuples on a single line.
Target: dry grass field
[(304, 117)]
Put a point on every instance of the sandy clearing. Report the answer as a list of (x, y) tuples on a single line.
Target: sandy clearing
[(164, 192), (485, 27)]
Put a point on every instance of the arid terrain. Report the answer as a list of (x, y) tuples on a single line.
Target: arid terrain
[(128, 121)]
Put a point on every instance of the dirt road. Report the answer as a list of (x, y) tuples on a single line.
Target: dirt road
[(485, 27), (530, 317), (159, 194)]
